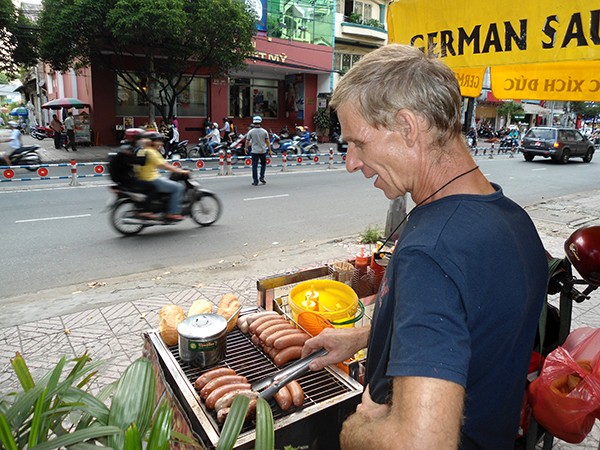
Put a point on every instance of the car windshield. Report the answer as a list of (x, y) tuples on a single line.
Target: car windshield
[(541, 133)]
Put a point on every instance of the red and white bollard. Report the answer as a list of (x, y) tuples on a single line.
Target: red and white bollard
[(221, 162), (229, 170), (284, 162), (330, 166), (74, 181)]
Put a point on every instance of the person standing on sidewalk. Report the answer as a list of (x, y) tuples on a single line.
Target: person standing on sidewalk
[(449, 344), (258, 139), (70, 127), (57, 127)]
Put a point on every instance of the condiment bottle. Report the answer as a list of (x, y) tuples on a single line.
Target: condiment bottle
[(376, 271), (360, 282)]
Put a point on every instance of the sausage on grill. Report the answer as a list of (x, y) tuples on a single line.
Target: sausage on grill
[(211, 374)]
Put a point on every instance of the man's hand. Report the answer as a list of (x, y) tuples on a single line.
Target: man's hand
[(341, 344)]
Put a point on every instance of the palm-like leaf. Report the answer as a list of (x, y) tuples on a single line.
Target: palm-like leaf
[(133, 401), (160, 434)]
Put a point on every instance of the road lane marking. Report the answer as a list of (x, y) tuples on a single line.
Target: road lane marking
[(537, 170), (266, 197), (42, 219)]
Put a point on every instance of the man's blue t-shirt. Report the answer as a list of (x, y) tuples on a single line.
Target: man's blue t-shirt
[(460, 301)]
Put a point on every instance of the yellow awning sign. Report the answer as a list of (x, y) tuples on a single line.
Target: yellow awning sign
[(470, 80), (498, 32), (568, 81)]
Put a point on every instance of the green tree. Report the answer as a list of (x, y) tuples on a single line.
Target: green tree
[(509, 109), (587, 110), (155, 47), (18, 40)]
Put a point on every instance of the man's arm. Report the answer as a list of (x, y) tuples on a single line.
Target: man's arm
[(425, 413)]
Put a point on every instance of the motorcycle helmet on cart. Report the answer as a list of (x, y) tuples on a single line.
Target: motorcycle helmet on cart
[(583, 252)]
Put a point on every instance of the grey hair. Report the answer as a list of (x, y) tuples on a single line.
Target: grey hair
[(396, 77)]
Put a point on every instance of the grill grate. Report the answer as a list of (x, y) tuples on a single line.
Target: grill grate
[(248, 360)]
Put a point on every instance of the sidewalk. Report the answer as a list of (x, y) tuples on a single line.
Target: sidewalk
[(107, 322)]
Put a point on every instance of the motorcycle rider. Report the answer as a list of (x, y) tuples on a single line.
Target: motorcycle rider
[(151, 142), (15, 143), (214, 137)]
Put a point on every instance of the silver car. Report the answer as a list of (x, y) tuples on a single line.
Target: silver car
[(557, 143)]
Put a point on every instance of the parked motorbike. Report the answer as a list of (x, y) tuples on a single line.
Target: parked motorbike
[(201, 205), (176, 149), (280, 145), (41, 133), (25, 156), (303, 144)]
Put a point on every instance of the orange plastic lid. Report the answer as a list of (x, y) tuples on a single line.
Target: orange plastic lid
[(312, 322)]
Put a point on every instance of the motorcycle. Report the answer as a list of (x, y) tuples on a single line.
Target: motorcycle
[(26, 156), (303, 144), (201, 205), (201, 149), (283, 145), (509, 142), (176, 149), (41, 133)]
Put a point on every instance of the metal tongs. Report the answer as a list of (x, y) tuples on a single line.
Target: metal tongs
[(269, 386)]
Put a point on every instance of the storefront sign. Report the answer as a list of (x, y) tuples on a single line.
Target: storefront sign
[(539, 50), (281, 57), (574, 81), (499, 33)]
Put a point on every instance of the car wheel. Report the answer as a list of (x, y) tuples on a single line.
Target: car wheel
[(528, 156), (588, 155), (564, 158)]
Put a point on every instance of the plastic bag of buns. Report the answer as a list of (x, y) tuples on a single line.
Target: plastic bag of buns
[(229, 307), (169, 317)]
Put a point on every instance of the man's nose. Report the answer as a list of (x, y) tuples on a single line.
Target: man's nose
[(352, 162)]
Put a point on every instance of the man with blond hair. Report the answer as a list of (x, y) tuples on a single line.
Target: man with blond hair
[(450, 342)]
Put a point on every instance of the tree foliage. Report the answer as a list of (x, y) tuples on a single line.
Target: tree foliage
[(510, 109), (156, 47), (587, 110), (18, 40)]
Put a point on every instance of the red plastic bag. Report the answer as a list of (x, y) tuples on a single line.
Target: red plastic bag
[(565, 398)]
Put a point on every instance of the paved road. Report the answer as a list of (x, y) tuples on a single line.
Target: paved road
[(61, 235)]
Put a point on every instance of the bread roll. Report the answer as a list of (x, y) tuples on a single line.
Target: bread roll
[(200, 306), (229, 308), (169, 317)]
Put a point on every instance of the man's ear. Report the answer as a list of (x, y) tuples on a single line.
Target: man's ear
[(408, 126)]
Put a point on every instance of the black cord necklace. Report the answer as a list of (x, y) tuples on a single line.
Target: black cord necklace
[(387, 239)]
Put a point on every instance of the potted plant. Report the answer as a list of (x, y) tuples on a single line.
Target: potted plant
[(322, 120), (58, 410)]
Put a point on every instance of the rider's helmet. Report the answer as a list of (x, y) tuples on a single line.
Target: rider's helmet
[(12, 124), (257, 119), (153, 136), (583, 251), (215, 125), (133, 134)]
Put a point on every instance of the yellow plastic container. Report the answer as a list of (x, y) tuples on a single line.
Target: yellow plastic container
[(333, 300)]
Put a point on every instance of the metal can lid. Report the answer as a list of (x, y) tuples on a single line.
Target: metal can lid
[(203, 326)]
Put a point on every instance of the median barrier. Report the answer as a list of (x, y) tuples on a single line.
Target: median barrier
[(72, 171)]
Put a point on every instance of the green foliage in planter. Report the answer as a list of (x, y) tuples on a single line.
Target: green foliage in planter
[(370, 236), (373, 23), (355, 18), (58, 410), (322, 119)]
